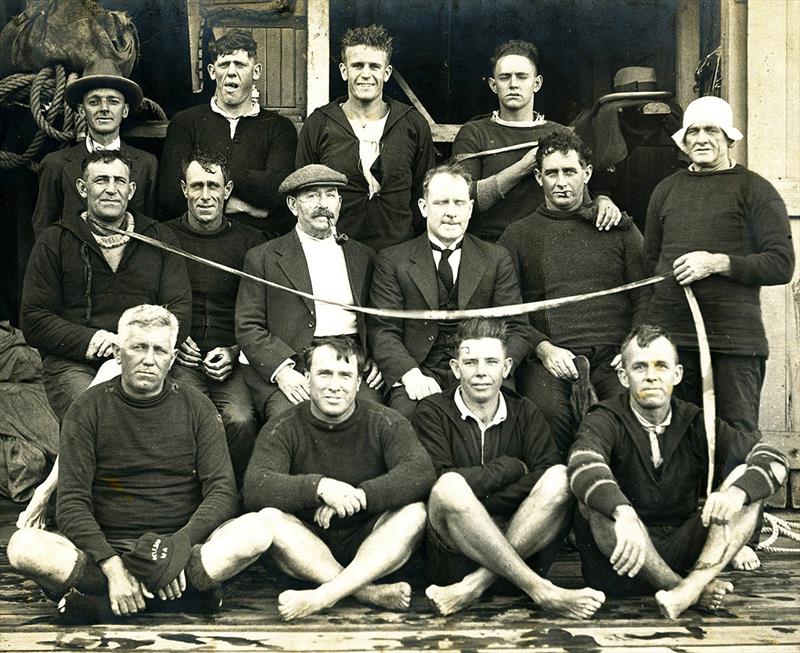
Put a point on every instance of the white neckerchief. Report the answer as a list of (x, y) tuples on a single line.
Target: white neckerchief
[(653, 431), (500, 414), (369, 135), (538, 119), (93, 146), (233, 121)]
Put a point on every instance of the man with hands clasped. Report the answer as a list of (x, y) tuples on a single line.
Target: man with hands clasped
[(639, 467)]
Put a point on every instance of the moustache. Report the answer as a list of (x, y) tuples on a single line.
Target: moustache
[(324, 213)]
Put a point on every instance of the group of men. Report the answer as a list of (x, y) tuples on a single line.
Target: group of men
[(183, 358)]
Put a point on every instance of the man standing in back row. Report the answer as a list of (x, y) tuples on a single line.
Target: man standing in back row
[(382, 146)]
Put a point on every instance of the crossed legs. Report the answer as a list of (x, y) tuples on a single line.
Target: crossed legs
[(460, 519), (300, 553)]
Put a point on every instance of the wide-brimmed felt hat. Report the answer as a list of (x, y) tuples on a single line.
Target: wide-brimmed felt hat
[(156, 560), (708, 109), (314, 174), (103, 73), (634, 82)]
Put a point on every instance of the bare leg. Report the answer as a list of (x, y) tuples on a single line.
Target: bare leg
[(459, 517), (301, 554), (540, 517), (234, 546), (46, 558)]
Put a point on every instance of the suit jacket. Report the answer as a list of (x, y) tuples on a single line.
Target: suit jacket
[(273, 325), (58, 196), (406, 277)]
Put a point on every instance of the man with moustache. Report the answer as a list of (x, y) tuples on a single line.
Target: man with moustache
[(505, 189), (502, 498), (258, 144), (273, 326), (382, 146), (639, 471), (103, 98), (208, 358), (443, 269), (81, 277)]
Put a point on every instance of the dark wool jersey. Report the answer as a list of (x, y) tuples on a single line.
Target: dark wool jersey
[(375, 449), (129, 466), (214, 291), (558, 254), (734, 212), (481, 134)]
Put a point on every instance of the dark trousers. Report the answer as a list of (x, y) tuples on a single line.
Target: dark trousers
[(551, 394)]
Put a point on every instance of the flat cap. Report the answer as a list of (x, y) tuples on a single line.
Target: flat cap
[(314, 174)]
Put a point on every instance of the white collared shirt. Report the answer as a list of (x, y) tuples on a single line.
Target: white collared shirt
[(455, 257), (92, 145), (233, 121), (653, 431), (500, 414)]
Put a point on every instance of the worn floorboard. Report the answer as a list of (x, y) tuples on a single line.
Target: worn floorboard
[(763, 615)]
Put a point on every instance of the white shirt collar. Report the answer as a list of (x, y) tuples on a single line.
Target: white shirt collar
[(499, 416), (255, 108), (92, 145), (439, 243), (538, 119), (309, 239), (647, 424)]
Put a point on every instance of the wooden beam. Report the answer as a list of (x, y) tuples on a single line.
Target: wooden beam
[(318, 55), (733, 24), (687, 50)]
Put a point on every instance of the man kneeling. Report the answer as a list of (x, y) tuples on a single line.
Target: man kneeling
[(497, 462), (145, 479), (639, 468), (341, 483)]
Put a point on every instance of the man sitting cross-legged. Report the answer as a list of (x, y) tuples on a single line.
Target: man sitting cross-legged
[(341, 482), (498, 466), (638, 469), (144, 488)]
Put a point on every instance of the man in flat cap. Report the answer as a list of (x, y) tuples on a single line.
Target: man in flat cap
[(274, 326), (103, 97), (146, 497), (259, 144), (724, 230)]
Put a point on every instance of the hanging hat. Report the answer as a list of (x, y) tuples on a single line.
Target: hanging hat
[(708, 109), (103, 73), (634, 82)]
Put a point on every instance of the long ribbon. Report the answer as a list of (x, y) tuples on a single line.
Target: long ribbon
[(498, 150), (494, 311)]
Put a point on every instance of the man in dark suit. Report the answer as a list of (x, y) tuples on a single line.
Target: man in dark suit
[(442, 269), (274, 326), (103, 97)]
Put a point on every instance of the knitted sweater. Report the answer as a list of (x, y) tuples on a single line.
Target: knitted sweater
[(129, 466), (558, 254), (260, 155), (501, 467), (391, 216), (213, 291), (482, 133), (734, 212), (610, 463), (375, 450)]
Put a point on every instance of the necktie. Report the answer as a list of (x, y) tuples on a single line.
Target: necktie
[(655, 448), (444, 269)]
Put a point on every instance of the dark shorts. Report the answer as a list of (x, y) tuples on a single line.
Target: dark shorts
[(445, 565), (344, 543), (678, 546)]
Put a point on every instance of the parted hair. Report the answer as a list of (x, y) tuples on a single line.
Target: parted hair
[(207, 160), (515, 46), (482, 327), (644, 334), (105, 156), (371, 36), (449, 167), (563, 140), (343, 346), (232, 40), (147, 316)]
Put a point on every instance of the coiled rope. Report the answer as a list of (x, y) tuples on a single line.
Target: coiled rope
[(777, 527), (43, 93)]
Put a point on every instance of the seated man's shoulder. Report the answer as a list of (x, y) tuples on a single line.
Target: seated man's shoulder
[(140, 157), (383, 416), (400, 253), (186, 394), (489, 251)]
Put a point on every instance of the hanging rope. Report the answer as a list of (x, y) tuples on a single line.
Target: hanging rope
[(43, 93)]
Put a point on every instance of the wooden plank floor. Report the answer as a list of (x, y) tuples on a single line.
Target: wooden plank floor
[(763, 615)]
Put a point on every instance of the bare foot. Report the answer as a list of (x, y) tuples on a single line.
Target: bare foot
[(451, 598), (574, 604), (674, 602), (295, 604), (745, 559), (391, 596), (714, 593)]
